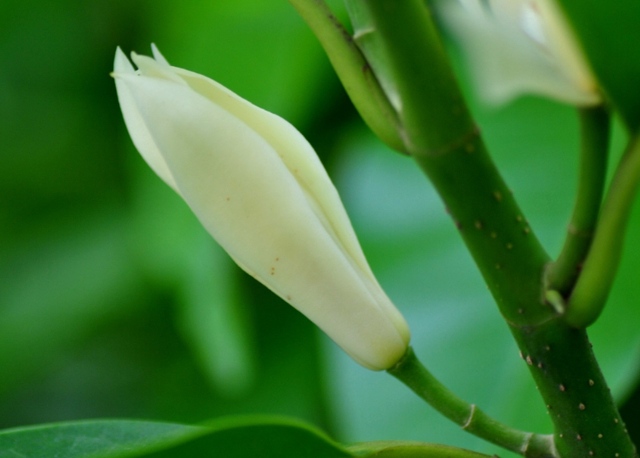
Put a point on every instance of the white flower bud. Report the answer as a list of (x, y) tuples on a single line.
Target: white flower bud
[(521, 46), (260, 190)]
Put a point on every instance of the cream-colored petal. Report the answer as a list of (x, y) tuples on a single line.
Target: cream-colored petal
[(135, 124), (250, 202), (303, 163), (295, 151), (157, 55), (511, 53), (566, 49), (149, 67)]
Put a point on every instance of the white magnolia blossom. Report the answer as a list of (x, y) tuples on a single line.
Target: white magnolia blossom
[(521, 46), (260, 190)]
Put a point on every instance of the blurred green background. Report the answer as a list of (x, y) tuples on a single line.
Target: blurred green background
[(115, 303)]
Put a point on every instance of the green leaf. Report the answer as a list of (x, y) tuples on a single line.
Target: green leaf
[(402, 449), (261, 436), (610, 36), (101, 438), (264, 437)]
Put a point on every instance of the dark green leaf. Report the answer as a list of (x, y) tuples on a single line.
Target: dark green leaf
[(610, 35), (258, 436)]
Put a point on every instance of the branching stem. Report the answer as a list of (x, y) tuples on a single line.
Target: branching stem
[(353, 70), (595, 130), (595, 281), (437, 129), (468, 416)]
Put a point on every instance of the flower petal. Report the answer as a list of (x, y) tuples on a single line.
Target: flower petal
[(514, 47), (135, 124), (237, 184), (296, 153)]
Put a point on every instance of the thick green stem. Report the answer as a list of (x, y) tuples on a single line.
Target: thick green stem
[(353, 70), (412, 373), (584, 415), (512, 264), (595, 128), (431, 107), (594, 283), (441, 136)]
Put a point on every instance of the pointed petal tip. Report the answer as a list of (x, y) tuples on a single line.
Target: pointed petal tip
[(121, 64), (157, 55), (140, 60), (148, 66)]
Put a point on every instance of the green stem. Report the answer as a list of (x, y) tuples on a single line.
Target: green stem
[(412, 373), (432, 110), (585, 418), (595, 281), (595, 129), (353, 70), (371, 44), (441, 136), (443, 140)]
